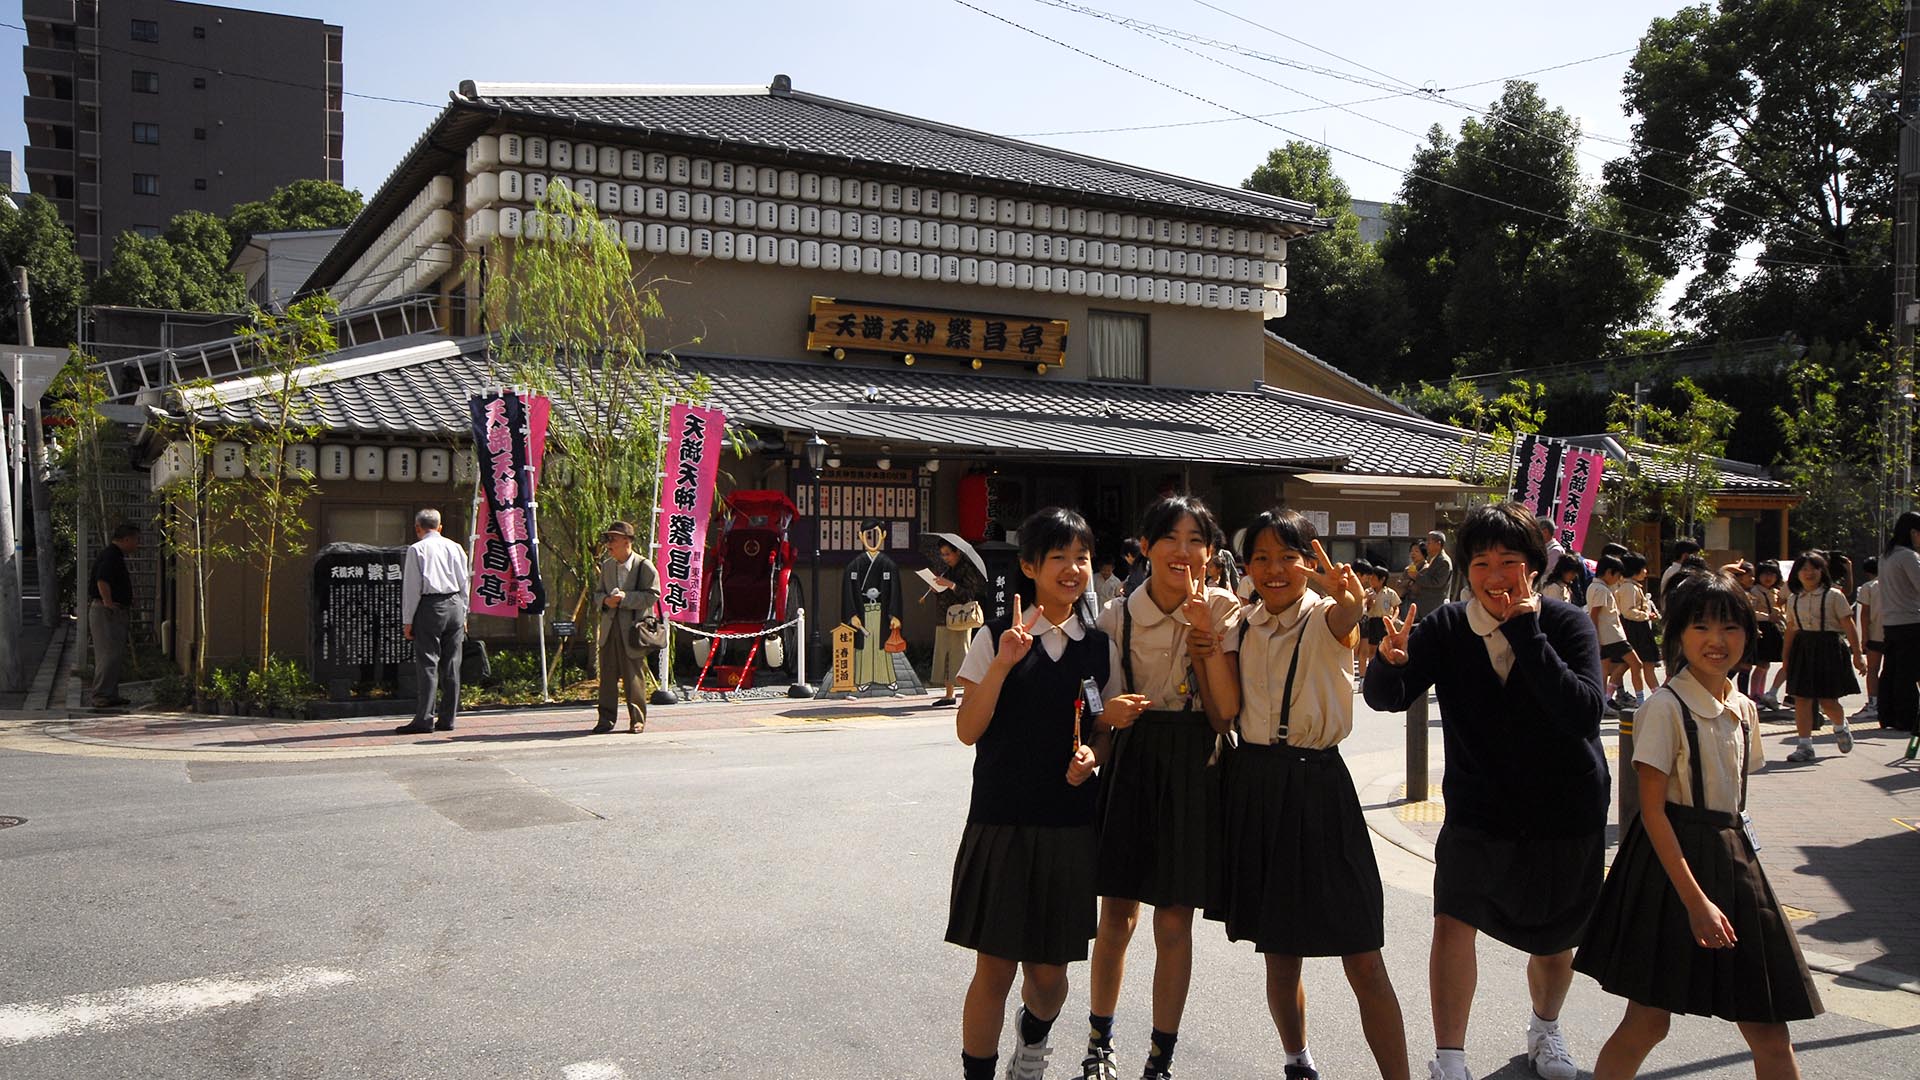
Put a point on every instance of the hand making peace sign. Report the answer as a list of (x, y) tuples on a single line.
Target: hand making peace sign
[(1017, 641), (1338, 582), (1393, 647), (1202, 639)]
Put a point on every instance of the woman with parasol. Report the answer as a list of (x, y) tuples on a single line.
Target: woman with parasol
[(960, 581)]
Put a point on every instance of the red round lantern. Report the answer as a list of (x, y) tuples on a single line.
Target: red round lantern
[(973, 507)]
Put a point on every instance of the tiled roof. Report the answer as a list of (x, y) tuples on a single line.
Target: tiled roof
[(957, 412), (782, 120), (1660, 464)]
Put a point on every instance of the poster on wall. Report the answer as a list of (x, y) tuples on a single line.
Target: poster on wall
[(1322, 521), (1346, 528), (509, 438), (688, 474), (1402, 524), (1376, 528)]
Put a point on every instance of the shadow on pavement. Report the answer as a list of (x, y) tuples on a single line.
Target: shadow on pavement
[(1876, 879)]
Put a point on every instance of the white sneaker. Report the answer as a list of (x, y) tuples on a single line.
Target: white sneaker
[(1029, 1060), (1843, 737), (1435, 1072), (1802, 753), (1548, 1054)]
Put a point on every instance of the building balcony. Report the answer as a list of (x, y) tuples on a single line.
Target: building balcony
[(60, 11), (48, 159), (86, 143), (47, 61), (46, 110), (87, 195)]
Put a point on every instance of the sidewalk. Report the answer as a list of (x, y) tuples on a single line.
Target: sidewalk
[(155, 734), (1840, 836)]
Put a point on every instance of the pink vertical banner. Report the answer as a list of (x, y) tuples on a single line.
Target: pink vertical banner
[(1579, 489), (509, 442), (688, 475)]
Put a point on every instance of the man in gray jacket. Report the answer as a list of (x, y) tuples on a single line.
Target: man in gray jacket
[(1433, 573), (625, 590)]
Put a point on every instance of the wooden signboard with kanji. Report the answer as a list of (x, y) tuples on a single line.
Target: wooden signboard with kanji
[(842, 661), (978, 337)]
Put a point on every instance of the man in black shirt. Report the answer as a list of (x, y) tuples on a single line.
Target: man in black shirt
[(109, 614)]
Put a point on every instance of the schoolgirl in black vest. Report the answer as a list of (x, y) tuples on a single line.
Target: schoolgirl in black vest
[(1023, 882), (1160, 796)]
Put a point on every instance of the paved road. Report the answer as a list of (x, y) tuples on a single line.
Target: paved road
[(762, 902)]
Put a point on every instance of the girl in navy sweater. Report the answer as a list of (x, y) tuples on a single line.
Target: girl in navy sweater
[(1526, 782), (1023, 893)]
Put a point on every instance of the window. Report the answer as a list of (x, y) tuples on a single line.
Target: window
[(199, 82), (146, 82), (146, 184), (148, 231), (1116, 346), (146, 30), (146, 133), (199, 183), (200, 134), (199, 31)]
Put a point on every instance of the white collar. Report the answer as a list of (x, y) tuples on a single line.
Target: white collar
[(1285, 619), (1147, 613), (1072, 628), (1480, 619), (1697, 698)]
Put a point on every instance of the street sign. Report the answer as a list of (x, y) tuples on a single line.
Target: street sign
[(562, 629)]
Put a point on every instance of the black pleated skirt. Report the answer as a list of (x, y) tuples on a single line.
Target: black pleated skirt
[(1297, 874), (1640, 943), (1024, 892), (1159, 813), (1532, 893), (1819, 666), (1769, 645), (1640, 635)]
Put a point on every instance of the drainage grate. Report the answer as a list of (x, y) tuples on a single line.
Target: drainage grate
[(10, 822)]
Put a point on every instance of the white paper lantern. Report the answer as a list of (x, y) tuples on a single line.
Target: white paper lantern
[(370, 462), (336, 462), (302, 458), (436, 466), (403, 463), (464, 467), (229, 460)]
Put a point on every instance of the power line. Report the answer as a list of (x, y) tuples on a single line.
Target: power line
[(1671, 215), (1437, 96), (1349, 153), (241, 74)]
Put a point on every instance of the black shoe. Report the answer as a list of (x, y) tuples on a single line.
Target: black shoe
[(945, 702), (413, 729), (443, 725), (1302, 1072), (603, 727)]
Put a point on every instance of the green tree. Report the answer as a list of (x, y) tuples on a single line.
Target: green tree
[(189, 511), (32, 235), (1755, 130), (1681, 448), (1494, 425), (184, 269), (1501, 250), (266, 507), (1341, 304), (570, 315), (303, 204)]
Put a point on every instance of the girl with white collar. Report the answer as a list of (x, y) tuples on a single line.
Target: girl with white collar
[(1299, 878), (1171, 694)]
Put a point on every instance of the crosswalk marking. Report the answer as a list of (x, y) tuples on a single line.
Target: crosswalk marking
[(159, 1003), (594, 1070)]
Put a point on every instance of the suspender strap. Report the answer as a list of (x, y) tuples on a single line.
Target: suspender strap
[(1126, 641), (1693, 757), (1293, 665)]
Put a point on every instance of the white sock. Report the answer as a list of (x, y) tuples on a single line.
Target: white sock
[(1803, 740), (1537, 1025), (1304, 1057), (1453, 1061)]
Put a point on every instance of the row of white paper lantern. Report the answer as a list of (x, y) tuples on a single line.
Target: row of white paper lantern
[(487, 189), (891, 262), (489, 151), (425, 222), (372, 464)]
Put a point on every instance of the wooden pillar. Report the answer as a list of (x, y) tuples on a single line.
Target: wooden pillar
[(1785, 551)]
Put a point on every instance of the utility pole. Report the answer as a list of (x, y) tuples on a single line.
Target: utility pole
[(9, 569), (37, 459), (1906, 220)]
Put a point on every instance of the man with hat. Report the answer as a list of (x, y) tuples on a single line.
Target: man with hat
[(626, 588)]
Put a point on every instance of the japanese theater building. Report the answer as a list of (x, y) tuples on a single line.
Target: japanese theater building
[(977, 326)]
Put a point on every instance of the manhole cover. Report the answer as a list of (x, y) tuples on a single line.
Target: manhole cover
[(10, 822)]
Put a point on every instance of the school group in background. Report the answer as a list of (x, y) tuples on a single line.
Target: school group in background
[(1157, 738)]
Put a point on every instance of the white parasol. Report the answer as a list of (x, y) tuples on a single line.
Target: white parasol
[(954, 541)]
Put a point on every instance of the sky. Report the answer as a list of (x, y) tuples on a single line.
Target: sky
[(970, 63)]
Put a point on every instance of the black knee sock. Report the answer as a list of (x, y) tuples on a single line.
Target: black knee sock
[(977, 1068), (1033, 1030), (1099, 1032), (1160, 1056)]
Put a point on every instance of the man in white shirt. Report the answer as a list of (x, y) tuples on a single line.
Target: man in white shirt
[(1106, 585), (433, 608)]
